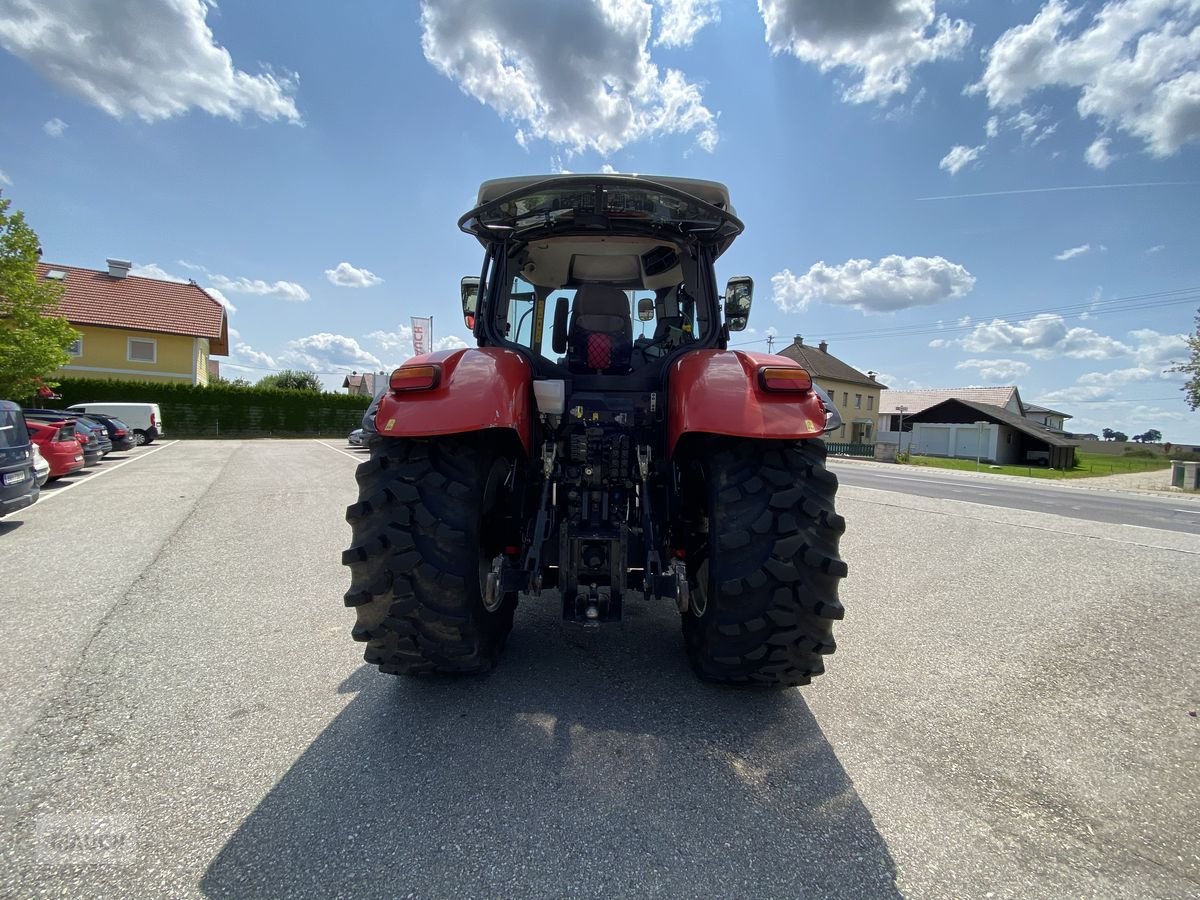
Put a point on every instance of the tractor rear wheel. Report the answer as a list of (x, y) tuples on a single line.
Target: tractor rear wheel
[(762, 561), (426, 528)]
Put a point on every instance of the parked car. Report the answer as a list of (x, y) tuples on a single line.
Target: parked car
[(41, 468), (18, 482), (119, 433), (95, 431), (58, 444), (144, 418), (356, 438)]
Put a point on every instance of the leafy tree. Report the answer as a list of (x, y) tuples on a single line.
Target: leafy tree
[(1191, 388), (222, 381), (1120, 436), (1107, 434), (292, 380), (1153, 436), (33, 337)]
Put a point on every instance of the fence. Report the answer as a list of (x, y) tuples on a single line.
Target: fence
[(864, 450)]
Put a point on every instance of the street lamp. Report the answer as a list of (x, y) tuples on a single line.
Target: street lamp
[(900, 433), (979, 441)]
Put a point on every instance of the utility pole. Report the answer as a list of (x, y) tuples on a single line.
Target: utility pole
[(770, 342), (900, 435), (979, 442)]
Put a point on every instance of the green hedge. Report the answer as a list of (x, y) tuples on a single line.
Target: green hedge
[(223, 411)]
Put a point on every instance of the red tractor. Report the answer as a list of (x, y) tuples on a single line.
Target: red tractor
[(601, 445)]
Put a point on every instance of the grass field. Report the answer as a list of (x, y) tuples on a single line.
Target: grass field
[(1087, 465)]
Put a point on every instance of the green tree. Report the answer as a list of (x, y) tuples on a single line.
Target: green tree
[(1107, 434), (292, 380), (33, 337), (1191, 387), (1120, 436), (1153, 436)]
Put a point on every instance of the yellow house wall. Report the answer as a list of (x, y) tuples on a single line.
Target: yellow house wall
[(837, 391), (106, 355), (201, 356)]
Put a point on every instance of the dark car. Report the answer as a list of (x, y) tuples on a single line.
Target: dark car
[(119, 433), (96, 431), (18, 484)]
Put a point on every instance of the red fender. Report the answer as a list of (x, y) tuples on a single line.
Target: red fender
[(480, 387), (718, 392)]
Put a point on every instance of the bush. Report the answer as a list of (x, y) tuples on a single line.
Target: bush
[(1141, 454), (224, 410)]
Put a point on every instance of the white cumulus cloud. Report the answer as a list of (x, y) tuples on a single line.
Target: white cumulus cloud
[(148, 58), (575, 73), (680, 20), (55, 127), (893, 283), (880, 42), (996, 369), (4, 179), (1098, 155), (1135, 66), (1043, 336), (288, 290), (958, 157), (346, 275), (327, 353)]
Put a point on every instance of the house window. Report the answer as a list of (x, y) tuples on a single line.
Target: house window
[(845, 399), (143, 350), (858, 401), (870, 402), (75, 348)]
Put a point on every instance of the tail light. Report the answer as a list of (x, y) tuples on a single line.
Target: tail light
[(415, 378), (152, 420), (784, 378)]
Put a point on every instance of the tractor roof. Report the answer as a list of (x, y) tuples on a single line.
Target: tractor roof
[(538, 207)]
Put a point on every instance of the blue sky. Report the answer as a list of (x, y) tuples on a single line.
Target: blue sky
[(950, 193)]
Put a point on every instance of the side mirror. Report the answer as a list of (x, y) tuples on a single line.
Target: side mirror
[(646, 310), (739, 293), (469, 288)]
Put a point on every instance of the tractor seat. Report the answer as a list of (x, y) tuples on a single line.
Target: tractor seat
[(600, 335)]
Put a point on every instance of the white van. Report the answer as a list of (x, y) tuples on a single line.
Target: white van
[(145, 419)]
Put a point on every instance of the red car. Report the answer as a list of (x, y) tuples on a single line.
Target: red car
[(59, 446)]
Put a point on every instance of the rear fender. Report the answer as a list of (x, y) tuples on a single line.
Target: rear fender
[(718, 392), (480, 388)]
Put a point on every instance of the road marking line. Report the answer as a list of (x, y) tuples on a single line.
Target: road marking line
[(93, 475), (917, 479), (357, 457)]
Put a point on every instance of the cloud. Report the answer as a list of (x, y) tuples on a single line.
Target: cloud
[(1157, 350), (1157, 248), (1073, 252), (288, 290), (958, 157), (327, 352), (577, 74), (1097, 154), (680, 20), (880, 41), (388, 341), (153, 270), (147, 58), (993, 126), (1136, 67), (1043, 336), (55, 127), (996, 369), (894, 283), (450, 342), (345, 275), (4, 179), (243, 356)]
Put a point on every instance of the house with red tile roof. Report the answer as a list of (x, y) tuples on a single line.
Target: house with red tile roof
[(138, 329)]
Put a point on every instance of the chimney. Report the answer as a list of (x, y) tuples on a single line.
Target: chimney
[(118, 268), (872, 375), (799, 340), (823, 346)]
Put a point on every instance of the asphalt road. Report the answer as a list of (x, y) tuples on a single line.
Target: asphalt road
[(1074, 500), (1011, 713)]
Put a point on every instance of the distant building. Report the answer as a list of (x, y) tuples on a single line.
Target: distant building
[(365, 384)]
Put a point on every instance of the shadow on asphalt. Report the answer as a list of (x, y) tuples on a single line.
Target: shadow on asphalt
[(588, 764)]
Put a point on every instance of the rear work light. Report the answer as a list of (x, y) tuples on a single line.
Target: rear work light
[(784, 378), (415, 378)]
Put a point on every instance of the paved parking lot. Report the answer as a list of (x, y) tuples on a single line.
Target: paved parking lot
[(1011, 713)]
